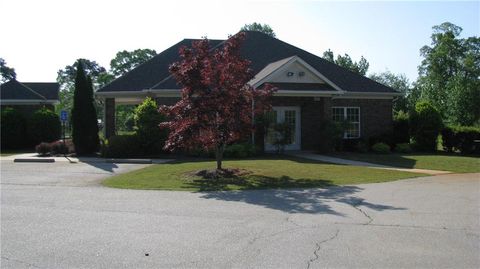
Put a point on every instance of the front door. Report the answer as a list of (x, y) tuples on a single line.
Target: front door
[(283, 128)]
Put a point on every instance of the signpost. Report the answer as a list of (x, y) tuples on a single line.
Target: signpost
[(63, 118)]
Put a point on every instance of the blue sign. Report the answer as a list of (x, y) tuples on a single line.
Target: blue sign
[(63, 115)]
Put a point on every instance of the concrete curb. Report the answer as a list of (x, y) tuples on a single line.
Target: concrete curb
[(133, 161), (33, 160)]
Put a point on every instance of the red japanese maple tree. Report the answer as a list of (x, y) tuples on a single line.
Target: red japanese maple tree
[(217, 104)]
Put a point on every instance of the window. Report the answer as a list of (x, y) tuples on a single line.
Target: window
[(352, 116)]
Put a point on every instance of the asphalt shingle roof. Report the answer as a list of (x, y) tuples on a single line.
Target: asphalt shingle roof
[(151, 72), (47, 89), (260, 49), (14, 90)]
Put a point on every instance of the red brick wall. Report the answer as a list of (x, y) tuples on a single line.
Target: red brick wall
[(376, 115)]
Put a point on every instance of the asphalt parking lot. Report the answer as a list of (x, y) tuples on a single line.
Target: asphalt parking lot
[(57, 215)]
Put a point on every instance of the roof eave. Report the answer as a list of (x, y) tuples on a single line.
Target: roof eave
[(28, 102)]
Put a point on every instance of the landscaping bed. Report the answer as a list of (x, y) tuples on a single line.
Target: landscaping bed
[(257, 173)]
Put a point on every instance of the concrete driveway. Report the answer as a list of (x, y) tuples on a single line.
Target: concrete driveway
[(58, 216)]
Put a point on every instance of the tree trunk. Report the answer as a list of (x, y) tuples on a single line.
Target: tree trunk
[(219, 155)]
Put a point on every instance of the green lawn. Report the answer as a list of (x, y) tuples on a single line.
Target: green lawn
[(440, 161), (266, 173), (13, 152)]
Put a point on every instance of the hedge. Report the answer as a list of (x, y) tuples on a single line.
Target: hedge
[(13, 129), (44, 126), (122, 146), (401, 128), (381, 148), (425, 126), (461, 138)]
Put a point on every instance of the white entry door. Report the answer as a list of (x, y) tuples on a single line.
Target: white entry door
[(289, 118)]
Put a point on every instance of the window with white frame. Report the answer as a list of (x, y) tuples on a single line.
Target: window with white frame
[(350, 115)]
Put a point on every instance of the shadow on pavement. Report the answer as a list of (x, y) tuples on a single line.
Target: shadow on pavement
[(108, 167), (300, 201)]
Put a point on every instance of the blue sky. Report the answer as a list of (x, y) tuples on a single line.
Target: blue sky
[(44, 36)]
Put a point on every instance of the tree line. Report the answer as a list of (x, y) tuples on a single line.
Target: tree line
[(448, 75)]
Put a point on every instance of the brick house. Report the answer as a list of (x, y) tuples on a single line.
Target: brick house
[(310, 91)]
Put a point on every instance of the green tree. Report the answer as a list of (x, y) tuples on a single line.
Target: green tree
[(6, 73), (264, 28), (66, 79), (425, 126), (125, 61), (147, 120), (449, 72), (398, 82), (84, 117), (360, 67)]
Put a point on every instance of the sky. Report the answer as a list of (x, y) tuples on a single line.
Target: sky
[(41, 37)]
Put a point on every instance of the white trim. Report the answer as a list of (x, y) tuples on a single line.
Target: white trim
[(119, 93), (142, 93), (301, 93), (294, 93), (324, 78), (27, 102), (306, 65), (345, 118), (368, 95), (164, 92), (298, 127)]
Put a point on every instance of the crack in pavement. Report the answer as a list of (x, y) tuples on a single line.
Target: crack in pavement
[(287, 219), (356, 206), (405, 226), (317, 249), (19, 261)]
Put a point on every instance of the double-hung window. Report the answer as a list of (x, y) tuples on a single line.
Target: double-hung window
[(351, 116)]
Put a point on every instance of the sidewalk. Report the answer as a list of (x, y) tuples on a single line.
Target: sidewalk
[(25, 157), (329, 159)]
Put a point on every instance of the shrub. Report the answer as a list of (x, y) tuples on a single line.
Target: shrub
[(281, 136), (381, 148), (43, 149), (241, 150), (385, 138), (331, 135), (84, 117), (58, 147), (150, 137), (13, 129), (122, 146), (425, 125), (403, 148), (362, 146), (401, 128), (44, 126), (449, 139), (460, 138)]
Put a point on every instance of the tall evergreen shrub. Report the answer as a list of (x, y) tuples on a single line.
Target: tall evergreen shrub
[(84, 116)]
